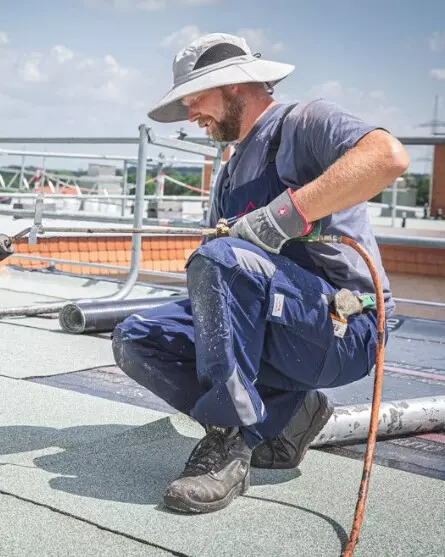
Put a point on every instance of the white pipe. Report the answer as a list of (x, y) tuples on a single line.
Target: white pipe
[(350, 424)]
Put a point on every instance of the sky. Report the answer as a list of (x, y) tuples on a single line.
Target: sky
[(95, 67)]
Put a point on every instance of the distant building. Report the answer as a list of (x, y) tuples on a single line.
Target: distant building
[(101, 178), (405, 195)]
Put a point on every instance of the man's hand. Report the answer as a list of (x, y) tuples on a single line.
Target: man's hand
[(271, 226)]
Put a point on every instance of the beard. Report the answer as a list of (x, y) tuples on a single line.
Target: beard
[(228, 129)]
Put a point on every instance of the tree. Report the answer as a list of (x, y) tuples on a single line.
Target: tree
[(423, 189)]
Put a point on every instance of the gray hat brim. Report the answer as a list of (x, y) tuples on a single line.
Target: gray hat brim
[(171, 109)]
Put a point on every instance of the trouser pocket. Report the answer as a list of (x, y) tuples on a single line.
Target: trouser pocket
[(299, 333)]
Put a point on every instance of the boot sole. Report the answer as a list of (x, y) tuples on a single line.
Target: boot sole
[(319, 420), (200, 508)]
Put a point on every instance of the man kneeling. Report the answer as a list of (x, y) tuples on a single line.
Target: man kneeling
[(246, 354)]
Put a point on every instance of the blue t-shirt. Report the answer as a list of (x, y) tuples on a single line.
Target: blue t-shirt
[(314, 135)]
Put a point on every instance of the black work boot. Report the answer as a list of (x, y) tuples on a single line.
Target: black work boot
[(288, 449), (217, 471)]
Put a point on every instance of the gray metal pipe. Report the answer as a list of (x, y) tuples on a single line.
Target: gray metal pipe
[(420, 302), (169, 275), (200, 146), (415, 140), (415, 241), (423, 140), (136, 240), (349, 424)]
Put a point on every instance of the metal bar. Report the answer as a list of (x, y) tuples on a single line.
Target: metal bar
[(420, 302), (56, 155), (22, 170), (415, 241), (160, 274), (205, 142), (350, 424), (72, 140), (99, 140), (173, 230), (181, 144), (103, 196), (414, 140), (29, 311), (95, 217), (417, 208), (38, 213), (53, 155), (136, 240), (124, 187), (171, 162), (428, 140), (394, 203), (187, 146)]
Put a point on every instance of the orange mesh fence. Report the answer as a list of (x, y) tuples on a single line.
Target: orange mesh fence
[(159, 253), (169, 253)]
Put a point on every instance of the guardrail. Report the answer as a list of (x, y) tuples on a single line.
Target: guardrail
[(146, 136), (199, 146)]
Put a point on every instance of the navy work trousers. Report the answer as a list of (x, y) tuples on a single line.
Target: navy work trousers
[(254, 336)]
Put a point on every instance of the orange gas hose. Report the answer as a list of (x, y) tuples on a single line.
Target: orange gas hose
[(376, 398)]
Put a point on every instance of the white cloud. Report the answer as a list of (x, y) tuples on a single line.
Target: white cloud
[(197, 2), (437, 41), (3, 38), (256, 38), (62, 53), (257, 41), (371, 106), (60, 88), (143, 5), (438, 74), (375, 108), (127, 5), (183, 37)]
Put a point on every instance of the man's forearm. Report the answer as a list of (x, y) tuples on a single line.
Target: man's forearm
[(374, 163)]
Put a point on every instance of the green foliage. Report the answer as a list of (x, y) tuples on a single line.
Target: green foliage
[(423, 188), (170, 188)]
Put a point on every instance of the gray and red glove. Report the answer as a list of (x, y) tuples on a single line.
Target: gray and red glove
[(273, 225)]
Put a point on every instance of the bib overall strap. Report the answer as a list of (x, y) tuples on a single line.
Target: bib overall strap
[(275, 140)]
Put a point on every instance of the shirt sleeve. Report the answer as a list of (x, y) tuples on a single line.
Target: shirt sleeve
[(327, 131), (314, 136)]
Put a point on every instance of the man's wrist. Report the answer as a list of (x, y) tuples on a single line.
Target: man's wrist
[(288, 215)]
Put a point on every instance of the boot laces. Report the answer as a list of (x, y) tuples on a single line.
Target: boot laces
[(210, 451)]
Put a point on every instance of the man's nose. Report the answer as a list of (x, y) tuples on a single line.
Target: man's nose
[(193, 114)]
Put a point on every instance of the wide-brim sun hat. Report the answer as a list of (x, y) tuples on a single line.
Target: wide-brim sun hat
[(213, 61)]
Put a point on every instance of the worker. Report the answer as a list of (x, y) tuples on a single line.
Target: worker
[(259, 335)]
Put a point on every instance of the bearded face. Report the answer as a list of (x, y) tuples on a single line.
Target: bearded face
[(227, 127)]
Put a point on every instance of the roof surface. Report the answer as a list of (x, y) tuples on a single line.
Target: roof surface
[(85, 454)]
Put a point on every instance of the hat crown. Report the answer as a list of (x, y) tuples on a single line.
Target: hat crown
[(206, 52)]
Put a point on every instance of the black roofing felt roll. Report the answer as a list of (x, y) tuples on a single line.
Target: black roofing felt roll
[(87, 317)]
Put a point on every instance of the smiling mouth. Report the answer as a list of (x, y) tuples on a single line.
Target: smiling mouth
[(205, 123)]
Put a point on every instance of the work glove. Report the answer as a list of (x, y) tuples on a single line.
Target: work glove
[(270, 227)]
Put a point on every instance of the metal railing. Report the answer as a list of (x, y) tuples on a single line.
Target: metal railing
[(199, 146), (146, 136)]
